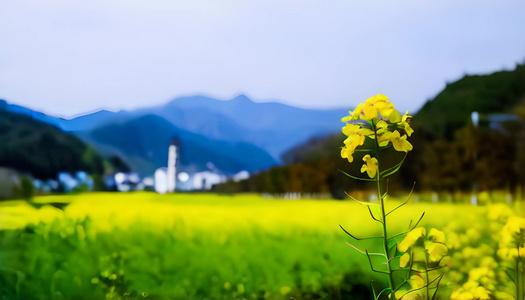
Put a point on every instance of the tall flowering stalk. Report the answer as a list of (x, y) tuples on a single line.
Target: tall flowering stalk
[(377, 120)]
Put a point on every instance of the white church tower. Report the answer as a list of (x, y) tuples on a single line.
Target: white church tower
[(172, 165)]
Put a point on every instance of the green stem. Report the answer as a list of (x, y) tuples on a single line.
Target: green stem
[(383, 217), (426, 275), (519, 283)]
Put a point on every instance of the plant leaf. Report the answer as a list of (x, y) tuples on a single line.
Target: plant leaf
[(356, 178), (384, 290), (353, 236), (374, 290), (394, 241), (393, 169), (404, 202), (362, 202)]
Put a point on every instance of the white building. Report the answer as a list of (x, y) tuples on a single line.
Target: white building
[(126, 182), (242, 175), (205, 180), (172, 165), (161, 180)]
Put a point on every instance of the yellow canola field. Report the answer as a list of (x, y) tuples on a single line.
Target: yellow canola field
[(179, 246), (224, 212)]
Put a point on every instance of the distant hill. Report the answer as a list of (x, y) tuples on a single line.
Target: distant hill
[(315, 148), (272, 126), (93, 120), (444, 144), (275, 127), (43, 150), (143, 142), (31, 113), (499, 92), (441, 117)]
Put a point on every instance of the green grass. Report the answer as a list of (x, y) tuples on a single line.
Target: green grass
[(191, 246)]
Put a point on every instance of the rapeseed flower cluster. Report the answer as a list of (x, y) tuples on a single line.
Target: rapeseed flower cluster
[(485, 266), (512, 242), (376, 119), (426, 256), (431, 244), (484, 283)]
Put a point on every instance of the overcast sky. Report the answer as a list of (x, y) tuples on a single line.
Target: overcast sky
[(73, 56)]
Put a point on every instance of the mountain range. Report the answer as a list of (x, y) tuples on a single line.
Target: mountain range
[(233, 135), (240, 134), (274, 127)]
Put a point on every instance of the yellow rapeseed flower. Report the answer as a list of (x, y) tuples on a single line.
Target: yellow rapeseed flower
[(404, 259), (384, 136), (400, 143), (437, 236), (355, 137), (405, 123), (416, 281), (512, 243), (379, 105), (347, 153), (481, 293), (355, 129), (471, 290), (508, 253), (416, 293), (392, 114), (369, 109), (370, 166), (435, 251), (381, 127), (411, 238), (355, 115), (515, 224), (499, 212), (476, 274)]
